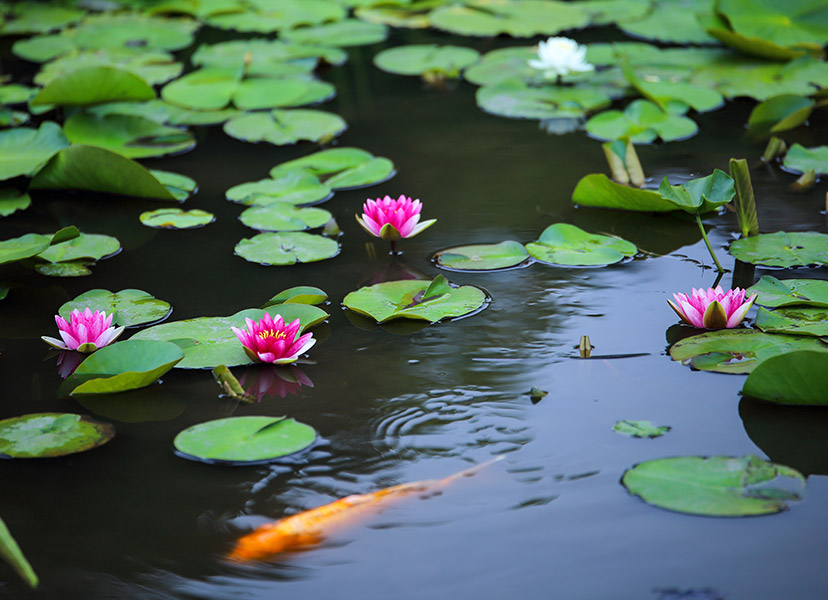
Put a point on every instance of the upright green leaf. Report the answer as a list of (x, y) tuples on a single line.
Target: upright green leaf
[(11, 553), (744, 202)]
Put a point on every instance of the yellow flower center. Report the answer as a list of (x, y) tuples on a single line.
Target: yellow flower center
[(276, 335)]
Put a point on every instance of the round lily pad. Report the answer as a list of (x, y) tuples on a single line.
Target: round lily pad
[(348, 32), (269, 17), (175, 218), (153, 67), (133, 137), (797, 378), (282, 127), (45, 435), (426, 58), (673, 21), (783, 249), (715, 486), (515, 99), (22, 247), (290, 187), (85, 246), (800, 159), (340, 168), (244, 440), (568, 245), (267, 56), (286, 248), (281, 216), (518, 18), (642, 122), (482, 257), (128, 307)]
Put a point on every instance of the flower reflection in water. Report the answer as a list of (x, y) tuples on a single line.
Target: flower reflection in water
[(262, 381)]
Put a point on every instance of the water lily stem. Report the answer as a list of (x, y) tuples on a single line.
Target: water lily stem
[(394, 248), (707, 243)]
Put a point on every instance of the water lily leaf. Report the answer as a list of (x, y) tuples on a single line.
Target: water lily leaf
[(81, 167), (599, 191), (774, 292), (800, 159), (674, 21), (286, 248), (129, 308), (565, 244), (43, 48), (304, 294), (37, 17), (482, 257), (46, 435), (11, 553), (22, 247), (289, 187), (419, 59), (151, 67), (406, 299), (267, 57), (13, 93), (700, 195), (737, 350), (282, 216), (410, 17), (642, 122), (244, 440), (287, 14), (640, 429), (779, 113), (518, 18), (796, 321), (72, 268), (162, 112), (12, 200), (94, 85), (715, 486), (86, 245), (798, 378), (609, 12), (514, 98), (348, 32), (282, 127), (209, 341), (341, 168), (133, 137), (793, 23), (675, 97), (23, 150), (504, 64), (180, 186), (720, 29), (783, 249), (175, 218)]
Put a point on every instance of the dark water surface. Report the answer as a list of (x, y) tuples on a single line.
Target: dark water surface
[(132, 520)]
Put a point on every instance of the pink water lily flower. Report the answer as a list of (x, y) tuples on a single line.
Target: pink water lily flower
[(271, 341), (713, 308), (391, 219), (84, 331)]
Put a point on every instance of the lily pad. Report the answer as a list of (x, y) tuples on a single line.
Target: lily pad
[(286, 248), (783, 249), (642, 122), (793, 23), (175, 218), (798, 378), (800, 159), (153, 68), (341, 168), (38, 17), (715, 486), (209, 341), (290, 187), (281, 216), (565, 244), (640, 429), (94, 85), (599, 191), (267, 57), (12, 200), (178, 185), (348, 32), (518, 18), (415, 299), (779, 113), (269, 17), (303, 294), (85, 246), (28, 245), (700, 195), (482, 257), (129, 308), (794, 320), (420, 59), (23, 150), (674, 21), (244, 440), (46, 435), (133, 137), (504, 64), (163, 112), (774, 292), (737, 350), (282, 127), (514, 98)]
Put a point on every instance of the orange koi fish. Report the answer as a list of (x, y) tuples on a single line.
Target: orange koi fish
[(310, 527)]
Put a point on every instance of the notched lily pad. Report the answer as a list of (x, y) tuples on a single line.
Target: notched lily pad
[(516, 99), (794, 320), (46, 435), (568, 245), (282, 216), (286, 248), (175, 218), (775, 292), (340, 168), (482, 257), (421, 59), (85, 246), (283, 127), (642, 122), (129, 308), (783, 249)]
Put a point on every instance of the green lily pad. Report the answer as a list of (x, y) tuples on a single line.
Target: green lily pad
[(415, 299), (599, 191), (81, 167), (23, 150), (268, 17), (25, 246), (14, 93), (341, 168), (715, 486), (609, 12), (303, 294), (412, 17), (798, 378), (779, 113), (794, 320), (163, 112), (180, 186), (565, 244), (674, 21), (348, 32), (128, 307), (94, 85), (175, 218), (783, 249), (793, 23), (700, 195), (209, 341), (419, 59), (774, 292), (737, 350), (281, 216), (720, 29), (518, 18), (514, 98), (800, 159), (38, 17), (290, 187), (85, 246), (46, 435), (504, 64), (11, 553), (282, 127), (72, 268), (244, 440), (12, 200), (267, 57), (482, 257), (286, 248), (674, 97), (640, 429), (133, 137), (153, 68), (642, 122)]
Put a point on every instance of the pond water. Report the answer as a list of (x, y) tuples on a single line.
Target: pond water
[(133, 520)]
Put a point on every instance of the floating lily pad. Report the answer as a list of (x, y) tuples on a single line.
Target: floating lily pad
[(46, 435), (341, 168), (565, 244), (503, 64), (514, 98), (794, 320), (348, 32), (163, 112), (675, 97), (85, 246), (737, 350), (287, 14), (13, 93), (700, 195), (286, 248), (12, 200), (783, 249), (23, 150), (640, 429), (38, 17), (128, 307), (290, 187), (209, 341), (779, 113), (179, 185), (175, 218), (282, 127), (518, 18), (411, 17), (419, 59), (415, 299), (599, 191), (774, 292), (798, 378), (715, 486), (94, 85), (642, 122), (800, 159), (789, 24), (267, 57), (153, 68), (674, 21), (281, 216), (482, 257), (244, 440), (303, 294), (720, 29), (133, 137)]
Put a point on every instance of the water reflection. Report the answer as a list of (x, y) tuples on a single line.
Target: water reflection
[(269, 381), (68, 361)]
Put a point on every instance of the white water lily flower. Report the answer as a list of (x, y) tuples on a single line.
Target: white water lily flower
[(559, 56)]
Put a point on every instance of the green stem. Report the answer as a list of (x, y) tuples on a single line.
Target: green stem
[(707, 243)]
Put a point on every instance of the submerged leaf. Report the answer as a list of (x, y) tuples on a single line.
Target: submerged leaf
[(640, 429)]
